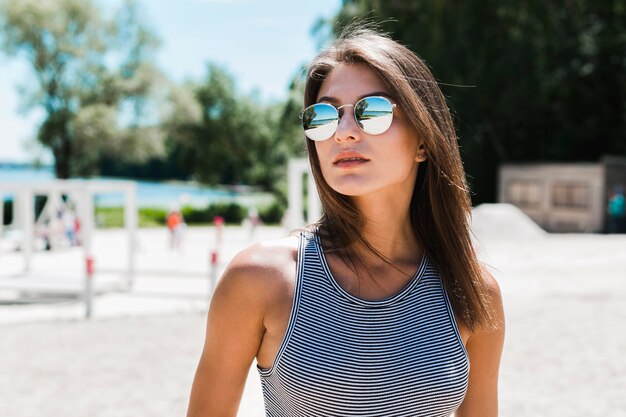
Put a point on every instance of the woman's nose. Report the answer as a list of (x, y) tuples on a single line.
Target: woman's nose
[(347, 128)]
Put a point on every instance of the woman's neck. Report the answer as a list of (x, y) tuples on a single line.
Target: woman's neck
[(388, 228)]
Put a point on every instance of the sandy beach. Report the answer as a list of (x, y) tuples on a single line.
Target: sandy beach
[(565, 301)]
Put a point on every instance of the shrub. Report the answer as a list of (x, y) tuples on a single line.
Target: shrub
[(232, 213), (272, 214), (150, 216)]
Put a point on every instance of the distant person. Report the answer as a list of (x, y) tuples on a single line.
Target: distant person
[(218, 222), (68, 220), (253, 220), (77, 234), (617, 210), (381, 308), (175, 226)]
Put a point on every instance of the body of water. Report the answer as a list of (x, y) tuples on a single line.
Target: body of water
[(149, 194)]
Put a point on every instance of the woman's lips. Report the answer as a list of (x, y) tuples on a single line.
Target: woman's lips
[(348, 158), (350, 162)]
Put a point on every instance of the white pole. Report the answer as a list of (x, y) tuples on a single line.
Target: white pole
[(52, 208), (130, 224), (89, 271), (218, 222), (214, 263), (27, 209), (314, 205), (87, 222), (294, 185)]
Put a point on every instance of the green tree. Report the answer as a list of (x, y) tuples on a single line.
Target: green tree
[(222, 137), (93, 78), (528, 81)]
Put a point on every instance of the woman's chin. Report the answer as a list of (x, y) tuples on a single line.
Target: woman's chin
[(352, 191), (348, 188)]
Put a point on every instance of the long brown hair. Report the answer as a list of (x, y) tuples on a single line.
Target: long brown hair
[(440, 207)]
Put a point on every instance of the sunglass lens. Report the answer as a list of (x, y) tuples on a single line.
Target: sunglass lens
[(320, 121), (374, 114)]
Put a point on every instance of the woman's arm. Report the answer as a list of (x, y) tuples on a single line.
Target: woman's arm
[(485, 349), (233, 335)]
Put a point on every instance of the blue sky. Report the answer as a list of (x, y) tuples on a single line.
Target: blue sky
[(261, 42)]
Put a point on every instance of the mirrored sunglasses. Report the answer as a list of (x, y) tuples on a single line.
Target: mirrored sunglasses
[(372, 114)]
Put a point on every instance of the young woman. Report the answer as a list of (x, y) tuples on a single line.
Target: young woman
[(381, 308)]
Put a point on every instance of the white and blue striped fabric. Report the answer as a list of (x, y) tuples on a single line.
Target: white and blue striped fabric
[(345, 356)]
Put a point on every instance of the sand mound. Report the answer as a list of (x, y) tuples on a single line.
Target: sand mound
[(503, 221)]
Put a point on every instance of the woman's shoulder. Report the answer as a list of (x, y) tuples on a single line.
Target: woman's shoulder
[(266, 256), (263, 271), (491, 285), (494, 301)]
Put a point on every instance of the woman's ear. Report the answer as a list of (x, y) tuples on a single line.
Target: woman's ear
[(421, 154)]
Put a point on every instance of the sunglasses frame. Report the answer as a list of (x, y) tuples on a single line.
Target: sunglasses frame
[(338, 116)]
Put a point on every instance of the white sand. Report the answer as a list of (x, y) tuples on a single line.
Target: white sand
[(565, 300), (503, 221)]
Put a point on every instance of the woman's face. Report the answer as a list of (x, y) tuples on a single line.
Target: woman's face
[(355, 163)]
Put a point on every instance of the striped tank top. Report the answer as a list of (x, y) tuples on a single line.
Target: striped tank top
[(346, 356)]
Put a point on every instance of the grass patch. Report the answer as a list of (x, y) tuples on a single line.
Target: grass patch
[(233, 213), (111, 217)]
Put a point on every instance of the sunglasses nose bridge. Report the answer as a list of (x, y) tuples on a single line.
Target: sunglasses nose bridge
[(346, 126), (341, 112)]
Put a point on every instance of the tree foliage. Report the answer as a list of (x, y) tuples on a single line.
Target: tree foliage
[(93, 78), (534, 80), (223, 137)]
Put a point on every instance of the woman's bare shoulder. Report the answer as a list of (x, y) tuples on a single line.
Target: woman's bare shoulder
[(494, 299), (266, 257), (491, 285), (262, 271)]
